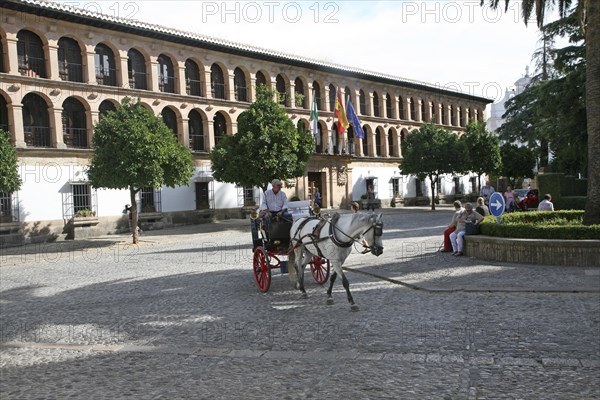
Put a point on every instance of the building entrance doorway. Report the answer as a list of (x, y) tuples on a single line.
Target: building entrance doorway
[(316, 180)]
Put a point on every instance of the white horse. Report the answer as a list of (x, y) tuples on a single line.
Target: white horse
[(334, 240)]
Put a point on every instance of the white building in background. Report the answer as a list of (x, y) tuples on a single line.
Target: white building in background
[(498, 109), (62, 68)]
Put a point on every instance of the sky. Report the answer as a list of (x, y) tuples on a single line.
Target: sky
[(455, 44)]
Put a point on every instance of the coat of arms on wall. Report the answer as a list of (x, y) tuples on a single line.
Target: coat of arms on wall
[(342, 176)]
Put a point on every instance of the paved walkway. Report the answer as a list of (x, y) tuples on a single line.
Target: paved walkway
[(179, 317)]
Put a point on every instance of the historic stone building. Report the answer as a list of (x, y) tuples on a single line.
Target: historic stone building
[(61, 68)]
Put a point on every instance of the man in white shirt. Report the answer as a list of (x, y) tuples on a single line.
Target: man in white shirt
[(546, 204), (273, 205)]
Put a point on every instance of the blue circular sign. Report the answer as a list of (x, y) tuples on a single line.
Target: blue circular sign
[(496, 204)]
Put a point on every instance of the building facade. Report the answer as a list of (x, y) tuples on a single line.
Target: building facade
[(61, 69)]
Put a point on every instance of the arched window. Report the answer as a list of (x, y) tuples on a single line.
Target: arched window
[(302, 126), (317, 94), (392, 151), (365, 141), (106, 73), (351, 140), (452, 114), (403, 134), (196, 128), (105, 107), (424, 106), (300, 95), (401, 108), (334, 139), (70, 67), (74, 124), (30, 52), (136, 68), (461, 116), (166, 74), (413, 109), (348, 95), (320, 146), (362, 100), (36, 122), (388, 106), (379, 142), (281, 90), (217, 82), (376, 111), (2, 66), (3, 114), (220, 127), (444, 113), (239, 84), (193, 84), (170, 119), (260, 79), (332, 94)]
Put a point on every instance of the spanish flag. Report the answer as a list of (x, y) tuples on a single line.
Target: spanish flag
[(340, 113)]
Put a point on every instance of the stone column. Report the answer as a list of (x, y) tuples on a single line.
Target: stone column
[(52, 62), (407, 113), (292, 95), (252, 89), (427, 111), (15, 115), (180, 84), (370, 110), (207, 84), (123, 74), (210, 132), (230, 88), (419, 110), (327, 106), (385, 151), (184, 128), (152, 74), (395, 110), (12, 54), (56, 128), (90, 67)]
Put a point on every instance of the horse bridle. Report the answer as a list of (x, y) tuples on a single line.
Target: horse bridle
[(377, 227)]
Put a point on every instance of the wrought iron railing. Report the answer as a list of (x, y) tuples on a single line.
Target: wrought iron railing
[(70, 72), (37, 136), (75, 137), (107, 77)]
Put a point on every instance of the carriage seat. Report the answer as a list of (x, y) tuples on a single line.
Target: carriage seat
[(299, 209)]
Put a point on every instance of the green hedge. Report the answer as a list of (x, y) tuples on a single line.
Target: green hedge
[(536, 225), (571, 203), (550, 183)]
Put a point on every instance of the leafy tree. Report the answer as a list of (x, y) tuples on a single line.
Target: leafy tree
[(266, 146), (432, 151), (134, 149), (551, 112), (484, 150), (517, 162), (9, 170), (589, 13)]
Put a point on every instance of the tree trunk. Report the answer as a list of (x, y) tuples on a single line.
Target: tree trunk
[(592, 86), (432, 191), (478, 184), (134, 215)]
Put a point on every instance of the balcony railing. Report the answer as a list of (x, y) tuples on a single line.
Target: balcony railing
[(218, 90), (197, 143), (107, 77), (70, 72), (193, 87), (137, 80), (75, 137), (166, 84), (37, 136), (32, 66)]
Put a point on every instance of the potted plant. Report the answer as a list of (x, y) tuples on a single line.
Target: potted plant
[(85, 213)]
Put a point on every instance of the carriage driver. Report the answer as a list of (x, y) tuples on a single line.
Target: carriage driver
[(274, 204)]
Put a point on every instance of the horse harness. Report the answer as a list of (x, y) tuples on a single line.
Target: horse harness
[(314, 236)]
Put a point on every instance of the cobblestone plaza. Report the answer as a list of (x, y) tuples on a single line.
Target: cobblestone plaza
[(179, 317)]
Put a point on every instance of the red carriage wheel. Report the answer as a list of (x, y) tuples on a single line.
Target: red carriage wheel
[(262, 269), (319, 268)]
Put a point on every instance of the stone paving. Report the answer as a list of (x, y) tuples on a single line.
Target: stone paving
[(179, 317)]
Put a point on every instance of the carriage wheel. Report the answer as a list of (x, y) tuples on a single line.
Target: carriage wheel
[(319, 268), (262, 269)]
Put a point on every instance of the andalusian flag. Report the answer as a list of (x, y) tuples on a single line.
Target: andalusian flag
[(340, 114), (314, 117)]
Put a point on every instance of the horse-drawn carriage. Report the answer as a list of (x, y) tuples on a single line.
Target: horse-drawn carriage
[(274, 245), (323, 243)]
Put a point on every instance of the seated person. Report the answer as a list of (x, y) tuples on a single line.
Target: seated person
[(452, 227), (546, 204), (468, 216), (481, 208), (273, 205)]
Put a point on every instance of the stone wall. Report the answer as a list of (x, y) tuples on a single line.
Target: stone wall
[(584, 253)]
